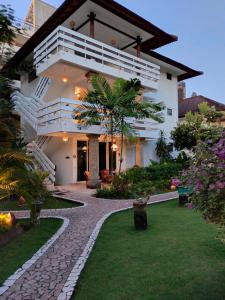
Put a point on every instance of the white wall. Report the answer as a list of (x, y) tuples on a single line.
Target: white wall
[(58, 151), (130, 155), (59, 89), (168, 94), (27, 88)]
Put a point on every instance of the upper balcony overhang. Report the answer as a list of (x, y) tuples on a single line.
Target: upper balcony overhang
[(66, 45), (56, 117)]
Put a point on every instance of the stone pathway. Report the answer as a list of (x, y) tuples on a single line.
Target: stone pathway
[(46, 278)]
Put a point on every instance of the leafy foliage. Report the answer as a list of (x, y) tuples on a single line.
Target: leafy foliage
[(206, 175), (162, 148), (111, 105), (17, 179), (9, 121), (164, 170), (7, 32), (197, 127), (140, 182)]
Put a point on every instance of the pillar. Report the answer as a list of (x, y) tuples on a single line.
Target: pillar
[(93, 179), (139, 152), (92, 24), (138, 46)]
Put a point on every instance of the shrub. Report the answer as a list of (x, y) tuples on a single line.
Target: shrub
[(164, 170), (206, 175), (140, 182)]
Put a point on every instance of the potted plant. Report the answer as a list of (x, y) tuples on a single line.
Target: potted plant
[(140, 213), (184, 193)]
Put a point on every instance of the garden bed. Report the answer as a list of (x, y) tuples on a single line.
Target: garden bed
[(23, 245), (52, 203), (177, 257), (141, 181)]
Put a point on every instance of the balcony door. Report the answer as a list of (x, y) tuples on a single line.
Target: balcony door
[(82, 158), (102, 156)]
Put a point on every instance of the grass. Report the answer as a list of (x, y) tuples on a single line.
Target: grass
[(19, 250), (177, 258), (52, 203)]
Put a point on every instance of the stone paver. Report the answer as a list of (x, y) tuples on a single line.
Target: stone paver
[(49, 277)]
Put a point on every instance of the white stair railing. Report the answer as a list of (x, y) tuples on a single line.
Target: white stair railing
[(45, 163), (41, 89), (41, 140), (27, 107)]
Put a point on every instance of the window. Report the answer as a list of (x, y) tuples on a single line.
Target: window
[(169, 111), (169, 76)]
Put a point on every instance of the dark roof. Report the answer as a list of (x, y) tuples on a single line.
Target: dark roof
[(191, 104), (70, 6), (189, 73)]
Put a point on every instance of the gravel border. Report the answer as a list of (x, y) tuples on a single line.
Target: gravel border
[(12, 279)]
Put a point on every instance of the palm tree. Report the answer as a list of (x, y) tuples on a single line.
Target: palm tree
[(162, 148), (110, 106), (16, 178), (12, 171), (130, 107)]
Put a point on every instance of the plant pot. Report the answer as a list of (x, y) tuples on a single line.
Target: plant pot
[(140, 215), (183, 199)]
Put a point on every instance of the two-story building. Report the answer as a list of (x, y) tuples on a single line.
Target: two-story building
[(80, 38)]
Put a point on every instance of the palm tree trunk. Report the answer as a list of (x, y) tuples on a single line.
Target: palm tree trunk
[(111, 150), (121, 152), (121, 149)]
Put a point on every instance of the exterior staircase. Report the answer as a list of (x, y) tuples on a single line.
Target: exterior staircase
[(28, 108), (42, 162)]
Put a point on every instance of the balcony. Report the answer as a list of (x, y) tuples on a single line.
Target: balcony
[(56, 116), (66, 45)]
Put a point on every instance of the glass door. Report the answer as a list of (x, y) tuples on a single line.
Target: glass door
[(82, 156)]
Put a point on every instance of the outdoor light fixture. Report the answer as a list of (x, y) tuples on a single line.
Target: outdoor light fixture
[(65, 138), (6, 219), (114, 147), (65, 79), (77, 93), (84, 148)]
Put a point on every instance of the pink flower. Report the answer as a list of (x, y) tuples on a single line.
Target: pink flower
[(220, 185), (212, 186), (199, 186), (176, 182), (190, 205)]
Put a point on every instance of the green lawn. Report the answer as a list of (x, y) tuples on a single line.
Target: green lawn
[(17, 252), (51, 203), (178, 257)]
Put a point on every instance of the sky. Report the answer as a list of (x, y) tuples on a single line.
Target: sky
[(200, 27)]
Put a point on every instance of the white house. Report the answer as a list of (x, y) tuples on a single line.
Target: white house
[(80, 38)]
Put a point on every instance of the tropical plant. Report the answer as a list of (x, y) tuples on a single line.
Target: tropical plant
[(110, 106), (16, 178), (128, 92), (12, 171), (206, 175), (35, 193), (196, 127), (162, 148), (164, 170), (7, 32), (9, 121)]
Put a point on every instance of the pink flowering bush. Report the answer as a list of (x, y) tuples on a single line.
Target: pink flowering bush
[(206, 175), (176, 182)]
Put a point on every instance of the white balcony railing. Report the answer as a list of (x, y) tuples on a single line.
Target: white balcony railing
[(57, 116), (64, 44), (44, 162)]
